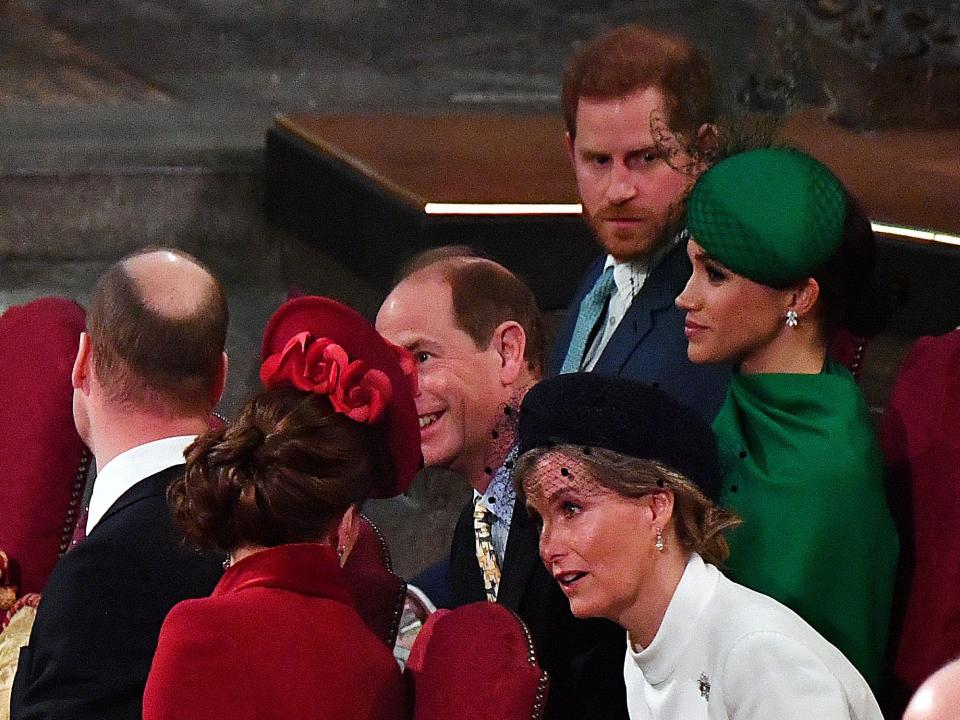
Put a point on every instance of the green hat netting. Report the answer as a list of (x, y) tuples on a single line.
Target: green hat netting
[(773, 215)]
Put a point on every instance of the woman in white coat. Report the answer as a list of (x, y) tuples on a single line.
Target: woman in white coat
[(623, 479)]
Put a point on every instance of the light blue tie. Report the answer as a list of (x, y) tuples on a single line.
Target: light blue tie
[(592, 306)]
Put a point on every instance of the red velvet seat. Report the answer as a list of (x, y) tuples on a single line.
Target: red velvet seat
[(475, 663), (849, 350), (377, 591), (43, 462), (920, 436)]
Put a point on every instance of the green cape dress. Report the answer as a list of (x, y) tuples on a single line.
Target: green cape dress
[(804, 472)]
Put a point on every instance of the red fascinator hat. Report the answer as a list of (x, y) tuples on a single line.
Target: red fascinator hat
[(320, 345)]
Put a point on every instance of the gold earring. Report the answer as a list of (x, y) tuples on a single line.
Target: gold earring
[(659, 544)]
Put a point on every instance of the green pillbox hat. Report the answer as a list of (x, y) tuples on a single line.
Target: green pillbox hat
[(773, 215)]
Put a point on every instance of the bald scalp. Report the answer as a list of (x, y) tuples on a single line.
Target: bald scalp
[(938, 698), (485, 294), (157, 324), (169, 282)]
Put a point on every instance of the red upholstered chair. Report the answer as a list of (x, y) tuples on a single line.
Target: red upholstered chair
[(920, 436), (849, 350), (475, 663), (43, 462), (377, 591)]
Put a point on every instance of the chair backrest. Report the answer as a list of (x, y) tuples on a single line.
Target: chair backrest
[(43, 462), (849, 350), (377, 591), (475, 663), (920, 437)]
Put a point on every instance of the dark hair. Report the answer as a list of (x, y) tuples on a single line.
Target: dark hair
[(284, 472), (634, 57), (145, 358), (851, 291), (698, 522), (486, 294)]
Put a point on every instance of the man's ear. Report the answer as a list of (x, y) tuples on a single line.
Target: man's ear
[(707, 143), (510, 341), (80, 375), (221, 380), (804, 296)]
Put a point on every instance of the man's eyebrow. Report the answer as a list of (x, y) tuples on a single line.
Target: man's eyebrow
[(418, 342), (590, 152), (652, 148)]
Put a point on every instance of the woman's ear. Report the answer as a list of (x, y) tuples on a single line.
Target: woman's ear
[(347, 532), (661, 508), (804, 296)]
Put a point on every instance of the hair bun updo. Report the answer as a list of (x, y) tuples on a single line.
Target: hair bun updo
[(284, 472)]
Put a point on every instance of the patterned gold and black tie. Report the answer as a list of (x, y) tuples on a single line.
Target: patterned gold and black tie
[(486, 555)]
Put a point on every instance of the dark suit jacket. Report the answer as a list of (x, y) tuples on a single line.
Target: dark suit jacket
[(100, 615), (584, 658), (649, 344)]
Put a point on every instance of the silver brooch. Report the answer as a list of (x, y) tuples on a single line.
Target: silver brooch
[(704, 685)]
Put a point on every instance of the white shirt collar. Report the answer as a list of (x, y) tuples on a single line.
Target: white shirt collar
[(130, 467), (628, 276), (660, 658)]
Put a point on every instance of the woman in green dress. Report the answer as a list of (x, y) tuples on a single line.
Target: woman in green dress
[(782, 256)]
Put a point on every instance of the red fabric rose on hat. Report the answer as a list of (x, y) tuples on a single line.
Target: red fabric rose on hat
[(321, 366), (363, 393), (309, 366)]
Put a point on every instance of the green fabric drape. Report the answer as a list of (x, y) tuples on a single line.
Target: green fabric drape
[(804, 472)]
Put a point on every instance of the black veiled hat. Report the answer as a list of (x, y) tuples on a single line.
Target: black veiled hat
[(623, 415)]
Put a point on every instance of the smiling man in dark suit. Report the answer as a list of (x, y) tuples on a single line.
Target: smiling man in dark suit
[(475, 332), (149, 370), (640, 112)]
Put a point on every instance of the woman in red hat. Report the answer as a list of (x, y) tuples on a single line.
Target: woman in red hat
[(278, 491)]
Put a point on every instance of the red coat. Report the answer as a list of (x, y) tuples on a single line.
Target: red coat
[(278, 638)]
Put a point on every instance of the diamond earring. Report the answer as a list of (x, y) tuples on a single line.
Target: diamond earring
[(659, 543), (792, 319)]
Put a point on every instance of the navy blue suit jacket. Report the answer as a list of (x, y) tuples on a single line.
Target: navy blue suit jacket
[(649, 344), (99, 619)]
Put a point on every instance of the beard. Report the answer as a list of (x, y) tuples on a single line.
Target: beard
[(650, 233)]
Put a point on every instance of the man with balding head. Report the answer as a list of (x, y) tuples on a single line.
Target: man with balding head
[(939, 696), (149, 369), (475, 332)]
